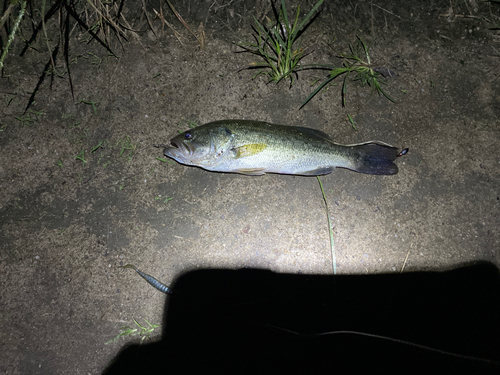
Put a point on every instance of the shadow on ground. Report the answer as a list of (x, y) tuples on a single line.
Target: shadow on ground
[(254, 320)]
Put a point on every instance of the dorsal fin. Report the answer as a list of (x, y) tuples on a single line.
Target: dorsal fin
[(315, 133)]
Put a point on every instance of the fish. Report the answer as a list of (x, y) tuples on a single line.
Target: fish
[(255, 148)]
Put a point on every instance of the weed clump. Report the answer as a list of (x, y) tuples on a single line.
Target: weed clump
[(275, 44), (358, 63)]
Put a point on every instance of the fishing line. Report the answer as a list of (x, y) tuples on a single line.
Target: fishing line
[(399, 341)]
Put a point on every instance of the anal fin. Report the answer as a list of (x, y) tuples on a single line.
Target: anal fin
[(318, 171), (251, 171)]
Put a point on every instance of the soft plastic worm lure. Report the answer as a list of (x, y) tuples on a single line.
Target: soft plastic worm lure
[(150, 279), (403, 152)]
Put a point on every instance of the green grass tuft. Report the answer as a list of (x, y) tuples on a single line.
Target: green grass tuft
[(144, 332), (357, 63), (275, 45)]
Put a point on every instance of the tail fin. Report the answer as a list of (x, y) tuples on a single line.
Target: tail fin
[(375, 158)]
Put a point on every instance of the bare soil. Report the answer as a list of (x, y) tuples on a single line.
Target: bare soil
[(71, 213)]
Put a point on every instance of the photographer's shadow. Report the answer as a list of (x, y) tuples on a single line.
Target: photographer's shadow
[(259, 321)]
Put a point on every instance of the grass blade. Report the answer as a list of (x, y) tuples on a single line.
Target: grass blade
[(77, 18), (13, 32), (66, 53), (380, 90), (285, 16), (5, 16), (49, 14), (344, 89), (179, 17), (47, 38), (316, 91), (332, 243), (309, 15)]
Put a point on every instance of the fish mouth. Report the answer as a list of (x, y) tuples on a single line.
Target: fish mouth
[(182, 147)]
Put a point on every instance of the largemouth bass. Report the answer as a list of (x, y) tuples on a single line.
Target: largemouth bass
[(256, 148)]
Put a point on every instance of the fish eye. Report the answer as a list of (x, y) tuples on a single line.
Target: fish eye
[(188, 135)]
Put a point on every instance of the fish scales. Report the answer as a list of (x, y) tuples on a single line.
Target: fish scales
[(289, 149)]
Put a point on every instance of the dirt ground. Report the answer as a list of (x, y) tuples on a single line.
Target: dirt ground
[(72, 212)]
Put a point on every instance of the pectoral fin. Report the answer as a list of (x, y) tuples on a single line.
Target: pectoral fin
[(251, 171), (248, 150)]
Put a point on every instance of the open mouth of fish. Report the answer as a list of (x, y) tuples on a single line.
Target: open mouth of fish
[(183, 147)]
